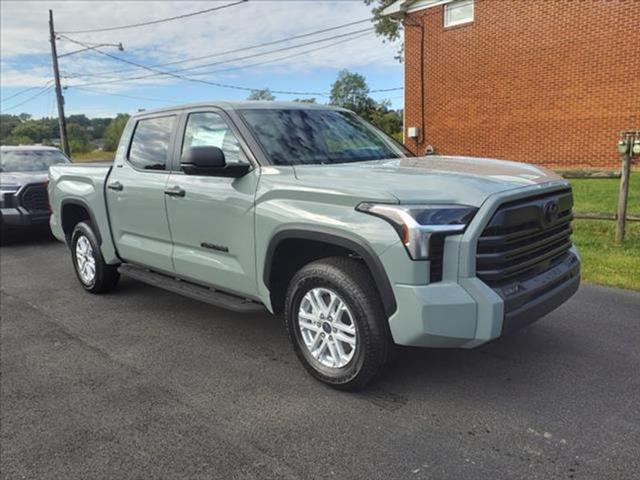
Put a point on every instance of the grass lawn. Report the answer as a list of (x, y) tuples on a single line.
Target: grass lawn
[(95, 156), (603, 262), (600, 195)]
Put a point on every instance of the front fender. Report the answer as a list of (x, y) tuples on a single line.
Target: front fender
[(338, 238)]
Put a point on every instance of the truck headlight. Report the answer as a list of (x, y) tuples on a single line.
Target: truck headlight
[(418, 224)]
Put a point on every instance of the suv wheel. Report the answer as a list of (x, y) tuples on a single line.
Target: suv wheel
[(337, 323), (94, 274)]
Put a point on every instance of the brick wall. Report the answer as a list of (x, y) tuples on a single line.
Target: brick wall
[(547, 82)]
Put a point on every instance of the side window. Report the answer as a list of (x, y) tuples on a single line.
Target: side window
[(211, 130), (458, 12), (150, 144)]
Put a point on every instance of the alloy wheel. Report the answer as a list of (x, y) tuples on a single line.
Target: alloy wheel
[(85, 260), (327, 328)]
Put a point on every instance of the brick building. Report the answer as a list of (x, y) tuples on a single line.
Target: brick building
[(551, 82)]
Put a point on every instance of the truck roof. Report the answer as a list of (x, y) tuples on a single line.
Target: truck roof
[(241, 105)]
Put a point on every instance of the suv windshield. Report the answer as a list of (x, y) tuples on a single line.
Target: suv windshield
[(30, 160), (309, 136)]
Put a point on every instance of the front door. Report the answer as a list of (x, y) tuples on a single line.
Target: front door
[(212, 224), (136, 196)]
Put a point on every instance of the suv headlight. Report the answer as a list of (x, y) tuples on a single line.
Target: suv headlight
[(418, 224)]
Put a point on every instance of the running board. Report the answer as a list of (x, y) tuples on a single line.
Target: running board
[(191, 290)]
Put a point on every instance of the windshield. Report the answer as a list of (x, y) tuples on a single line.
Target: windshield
[(30, 160), (303, 137)]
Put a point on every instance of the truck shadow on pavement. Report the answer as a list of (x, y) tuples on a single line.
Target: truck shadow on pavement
[(34, 237), (518, 363)]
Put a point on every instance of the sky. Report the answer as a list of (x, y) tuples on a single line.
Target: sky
[(94, 84)]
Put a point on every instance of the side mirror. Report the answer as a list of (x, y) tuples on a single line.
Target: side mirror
[(209, 161)]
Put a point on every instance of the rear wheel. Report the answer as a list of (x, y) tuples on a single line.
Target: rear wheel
[(94, 274), (336, 323)]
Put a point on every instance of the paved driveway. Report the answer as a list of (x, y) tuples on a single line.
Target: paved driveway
[(146, 384)]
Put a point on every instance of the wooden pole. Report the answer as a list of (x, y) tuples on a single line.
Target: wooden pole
[(62, 122), (623, 194)]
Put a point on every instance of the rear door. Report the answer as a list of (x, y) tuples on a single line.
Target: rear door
[(136, 195), (212, 224)]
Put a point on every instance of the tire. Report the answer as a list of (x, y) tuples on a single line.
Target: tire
[(338, 363), (94, 274)]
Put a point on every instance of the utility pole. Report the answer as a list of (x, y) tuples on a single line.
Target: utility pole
[(62, 122)]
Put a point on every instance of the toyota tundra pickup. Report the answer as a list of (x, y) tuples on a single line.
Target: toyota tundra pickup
[(23, 188), (311, 213)]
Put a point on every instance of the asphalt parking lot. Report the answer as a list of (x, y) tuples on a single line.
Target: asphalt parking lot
[(145, 384)]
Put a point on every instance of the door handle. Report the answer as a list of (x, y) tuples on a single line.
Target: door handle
[(175, 192), (117, 186)]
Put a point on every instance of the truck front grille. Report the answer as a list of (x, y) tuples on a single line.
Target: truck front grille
[(524, 238), (34, 197)]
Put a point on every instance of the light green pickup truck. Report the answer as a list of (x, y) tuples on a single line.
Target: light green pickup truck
[(311, 213)]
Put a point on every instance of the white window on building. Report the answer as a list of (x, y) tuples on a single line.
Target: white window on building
[(458, 12)]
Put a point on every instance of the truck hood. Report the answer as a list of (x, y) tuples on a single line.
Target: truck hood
[(440, 179), (22, 178)]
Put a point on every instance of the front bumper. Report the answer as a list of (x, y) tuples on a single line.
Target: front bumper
[(469, 313), (462, 311), (20, 217), (538, 296)]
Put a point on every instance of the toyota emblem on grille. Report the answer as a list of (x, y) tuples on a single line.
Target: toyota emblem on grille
[(550, 211)]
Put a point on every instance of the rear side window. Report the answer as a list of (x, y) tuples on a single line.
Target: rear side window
[(150, 145)]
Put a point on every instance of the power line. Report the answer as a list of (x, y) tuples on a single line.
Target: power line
[(285, 57), (25, 91), (241, 67), (189, 79), (104, 92), (386, 90), (33, 97), (242, 49), (195, 67), (305, 52), (155, 22)]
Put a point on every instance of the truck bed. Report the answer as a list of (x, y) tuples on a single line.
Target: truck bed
[(81, 185)]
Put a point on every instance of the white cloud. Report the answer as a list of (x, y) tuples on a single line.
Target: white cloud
[(25, 46), (14, 76)]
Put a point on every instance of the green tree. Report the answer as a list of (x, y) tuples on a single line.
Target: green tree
[(78, 138), (16, 140), (38, 131), (264, 94), (81, 120), (387, 120), (351, 91), (114, 131), (386, 27), (7, 124), (99, 127)]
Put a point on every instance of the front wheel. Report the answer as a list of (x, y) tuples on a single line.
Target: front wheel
[(336, 322), (94, 274)]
